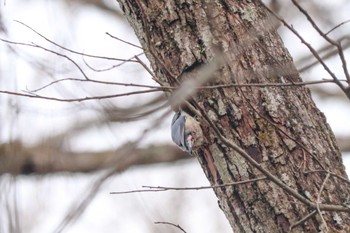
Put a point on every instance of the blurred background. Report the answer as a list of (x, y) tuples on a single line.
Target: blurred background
[(60, 158)]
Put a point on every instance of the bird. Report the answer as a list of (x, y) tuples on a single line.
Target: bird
[(186, 131)]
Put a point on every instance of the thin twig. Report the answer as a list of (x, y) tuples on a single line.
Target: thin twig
[(102, 82), (35, 96), (145, 67), (205, 187), (329, 40), (331, 173), (111, 67), (48, 50), (162, 188), (333, 52), (307, 217), (296, 84), (124, 41), (337, 26), (172, 224), (318, 202), (67, 49), (312, 50)]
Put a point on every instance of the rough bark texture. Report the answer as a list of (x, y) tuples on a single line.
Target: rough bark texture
[(279, 127)]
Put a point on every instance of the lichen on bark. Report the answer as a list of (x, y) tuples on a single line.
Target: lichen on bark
[(279, 127)]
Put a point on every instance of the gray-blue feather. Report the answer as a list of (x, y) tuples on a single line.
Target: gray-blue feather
[(178, 131)]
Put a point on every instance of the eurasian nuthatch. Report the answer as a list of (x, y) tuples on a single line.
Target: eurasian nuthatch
[(186, 131)]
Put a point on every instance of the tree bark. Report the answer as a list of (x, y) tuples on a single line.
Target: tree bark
[(280, 128)]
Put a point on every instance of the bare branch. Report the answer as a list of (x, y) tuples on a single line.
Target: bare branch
[(51, 51), (304, 219), (318, 202), (162, 188), (70, 50), (46, 159), (102, 82), (330, 173), (124, 41), (329, 40), (166, 88), (101, 97), (294, 84), (337, 26), (172, 224), (111, 67), (313, 51), (328, 50), (145, 67)]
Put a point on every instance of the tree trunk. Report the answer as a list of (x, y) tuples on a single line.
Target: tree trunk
[(286, 137)]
